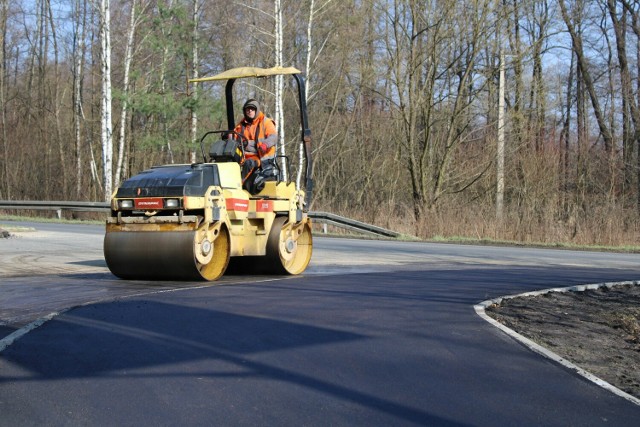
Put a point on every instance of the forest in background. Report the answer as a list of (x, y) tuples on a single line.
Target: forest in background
[(511, 119)]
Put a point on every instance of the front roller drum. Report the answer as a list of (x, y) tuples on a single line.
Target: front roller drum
[(166, 255)]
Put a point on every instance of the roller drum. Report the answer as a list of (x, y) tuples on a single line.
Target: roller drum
[(286, 253), (166, 255)]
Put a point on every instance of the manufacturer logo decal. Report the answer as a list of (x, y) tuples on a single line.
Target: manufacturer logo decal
[(237, 205), (148, 203)]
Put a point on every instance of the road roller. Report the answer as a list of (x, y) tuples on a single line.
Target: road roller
[(196, 221)]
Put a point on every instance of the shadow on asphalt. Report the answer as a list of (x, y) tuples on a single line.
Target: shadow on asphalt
[(134, 334), (136, 338)]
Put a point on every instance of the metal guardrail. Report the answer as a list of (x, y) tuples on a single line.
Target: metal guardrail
[(351, 224), (60, 206)]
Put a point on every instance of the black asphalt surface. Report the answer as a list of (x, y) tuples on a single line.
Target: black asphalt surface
[(385, 348), (398, 346)]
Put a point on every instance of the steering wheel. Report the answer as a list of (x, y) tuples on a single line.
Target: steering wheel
[(242, 141)]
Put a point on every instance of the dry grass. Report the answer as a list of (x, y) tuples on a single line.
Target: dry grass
[(602, 227), (629, 321)]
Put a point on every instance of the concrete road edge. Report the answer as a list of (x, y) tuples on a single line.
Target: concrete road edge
[(480, 310)]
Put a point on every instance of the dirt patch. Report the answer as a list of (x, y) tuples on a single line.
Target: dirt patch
[(597, 330), (4, 234)]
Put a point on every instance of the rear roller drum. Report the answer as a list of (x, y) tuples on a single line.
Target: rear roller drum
[(288, 248)]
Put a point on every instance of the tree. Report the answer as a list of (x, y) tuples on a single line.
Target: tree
[(585, 71), (630, 108), (128, 57), (433, 54), (106, 137), (5, 188), (78, 57), (194, 69)]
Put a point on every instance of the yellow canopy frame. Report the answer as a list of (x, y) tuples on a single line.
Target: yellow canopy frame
[(244, 72)]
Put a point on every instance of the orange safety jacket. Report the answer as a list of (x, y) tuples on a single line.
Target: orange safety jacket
[(261, 129)]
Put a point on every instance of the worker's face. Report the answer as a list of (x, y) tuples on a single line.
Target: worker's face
[(250, 112)]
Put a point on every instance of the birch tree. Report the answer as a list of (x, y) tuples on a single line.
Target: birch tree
[(166, 33), (279, 81), (106, 134), (194, 70)]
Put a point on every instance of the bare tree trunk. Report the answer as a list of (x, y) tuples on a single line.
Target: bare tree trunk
[(125, 90), (194, 68), (279, 83), (516, 60), (4, 10), (106, 133), (32, 59), (43, 54), (308, 69), (163, 89), (631, 144), (589, 84), (566, 140), (630, 111), (500, 150), (78, 76), (306, 87), (581, 123), (57, 103)]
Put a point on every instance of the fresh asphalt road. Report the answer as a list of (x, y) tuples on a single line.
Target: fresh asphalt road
[(375, 333)]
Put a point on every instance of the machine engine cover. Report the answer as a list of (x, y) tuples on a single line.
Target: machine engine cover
[(171, 181)]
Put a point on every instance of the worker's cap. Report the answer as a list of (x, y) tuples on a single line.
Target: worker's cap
[(251, 103)]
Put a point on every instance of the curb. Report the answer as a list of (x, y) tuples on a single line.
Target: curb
[(480, 310)]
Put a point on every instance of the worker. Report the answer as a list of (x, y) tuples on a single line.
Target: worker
[(259, 146)]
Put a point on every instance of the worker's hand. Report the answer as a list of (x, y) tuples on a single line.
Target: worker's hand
[(262, 148)]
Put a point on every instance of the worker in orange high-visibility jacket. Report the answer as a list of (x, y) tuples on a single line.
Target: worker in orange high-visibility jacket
[(259, 146)]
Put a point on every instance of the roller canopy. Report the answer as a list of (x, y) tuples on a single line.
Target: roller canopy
[(242, 72)]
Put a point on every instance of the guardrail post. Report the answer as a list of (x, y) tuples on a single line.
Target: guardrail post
[(59, 213)]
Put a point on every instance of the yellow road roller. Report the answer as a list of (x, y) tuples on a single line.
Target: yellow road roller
[(193, 221)]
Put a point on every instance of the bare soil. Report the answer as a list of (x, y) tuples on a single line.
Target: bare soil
[(597, 330)]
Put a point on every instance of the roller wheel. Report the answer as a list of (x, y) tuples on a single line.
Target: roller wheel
[(286, 254), (216, 266)]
